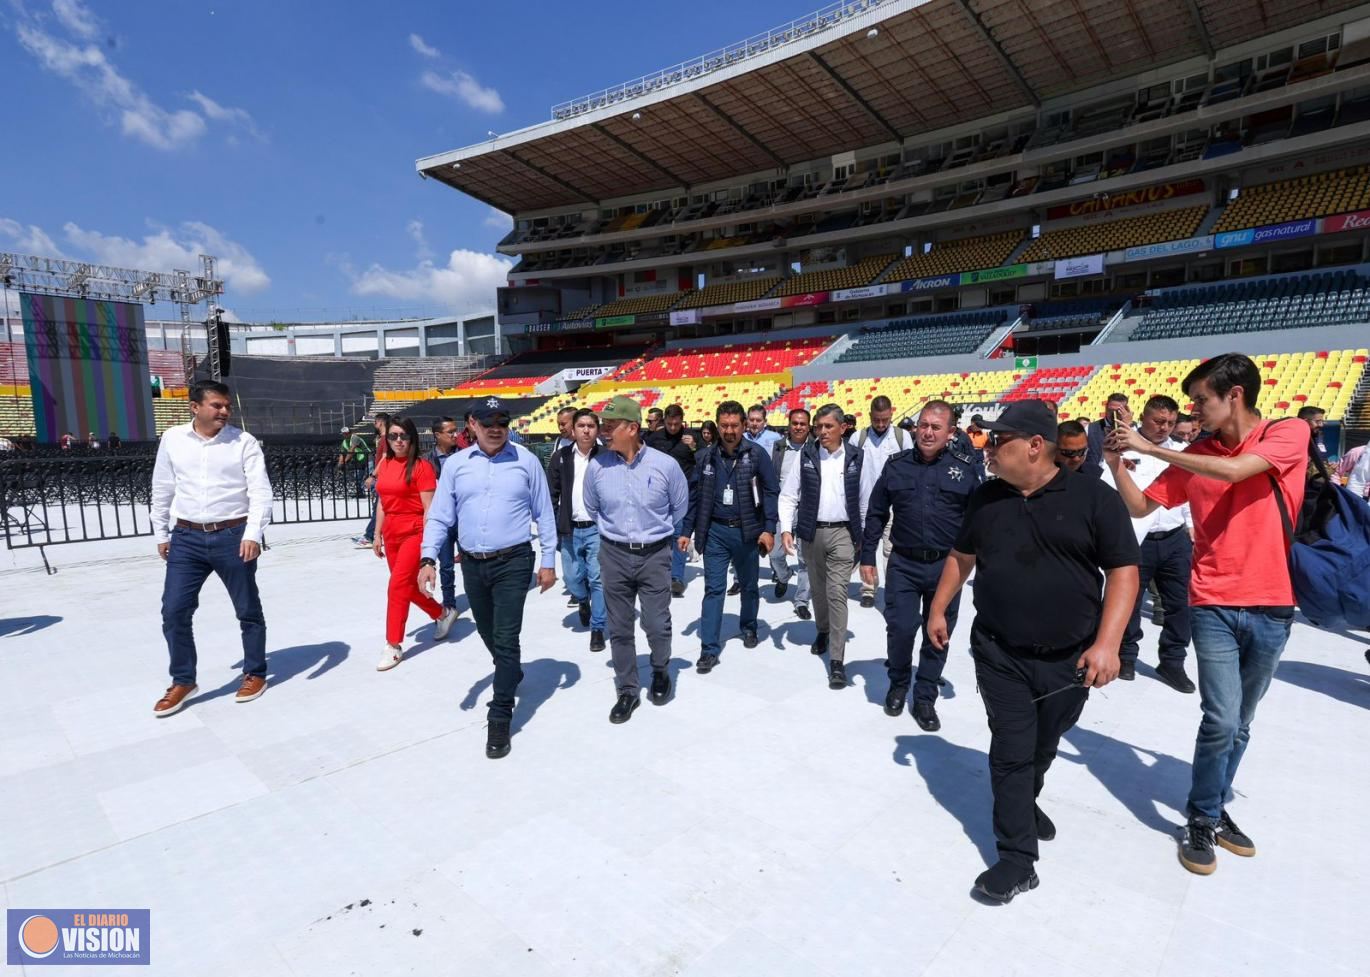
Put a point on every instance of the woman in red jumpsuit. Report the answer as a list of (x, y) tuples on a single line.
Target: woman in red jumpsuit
[(404, 485)]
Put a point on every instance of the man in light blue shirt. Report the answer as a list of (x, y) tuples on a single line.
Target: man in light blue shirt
[(757, 431), (637, 496), (492, 492)]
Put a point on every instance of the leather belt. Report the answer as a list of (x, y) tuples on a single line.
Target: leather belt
[(1164, 534), (833, 525), (496, 554), (211, 527), (582, 523), (920, 555), (730, 523), (641, 548)]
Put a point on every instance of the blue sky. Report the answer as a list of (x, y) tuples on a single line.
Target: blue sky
[(281, 136)]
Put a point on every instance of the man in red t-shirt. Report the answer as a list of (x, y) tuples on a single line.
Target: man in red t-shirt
[(1241, 594)]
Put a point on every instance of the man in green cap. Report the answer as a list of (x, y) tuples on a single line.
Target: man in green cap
[(637, 496)]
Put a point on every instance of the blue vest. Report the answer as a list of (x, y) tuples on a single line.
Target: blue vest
[(751, 514), (806, 516)]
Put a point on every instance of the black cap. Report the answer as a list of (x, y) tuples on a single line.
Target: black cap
[(490, 411), (1024, 417)]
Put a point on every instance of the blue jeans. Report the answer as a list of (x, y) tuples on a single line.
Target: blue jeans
[(193, 556), (580, 566), (1238, 649), (371, 523), (723, 546), (447, 564), (677, 558)]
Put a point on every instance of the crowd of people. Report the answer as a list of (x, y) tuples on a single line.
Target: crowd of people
[(1064, 526)]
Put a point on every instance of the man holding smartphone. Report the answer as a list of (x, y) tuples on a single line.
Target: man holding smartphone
[(1116, 412)]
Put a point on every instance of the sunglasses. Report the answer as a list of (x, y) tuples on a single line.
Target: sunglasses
[(996, 438), (1072, 452), (397, 436)]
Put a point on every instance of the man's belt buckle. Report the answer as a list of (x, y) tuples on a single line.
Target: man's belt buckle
[(638, 546)]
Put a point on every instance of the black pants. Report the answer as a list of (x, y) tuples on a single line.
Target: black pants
[(909, 588), (1023, 734), (1168, 562), (496, 590)]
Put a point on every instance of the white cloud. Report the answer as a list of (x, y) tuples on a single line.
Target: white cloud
[(423, 47), (498, 220), (223, 113), (466, 283), (77, 18), (166, 249), (28, 240), (464, 88), (415, 230)]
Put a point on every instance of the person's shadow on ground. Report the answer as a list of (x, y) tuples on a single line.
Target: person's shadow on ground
[(958, 779), (541, 679), (14, 626), (285, 663), (1353, 688), (1140, 788)]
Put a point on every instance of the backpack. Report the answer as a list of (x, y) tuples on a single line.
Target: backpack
[(1329, 552), (898, 437)]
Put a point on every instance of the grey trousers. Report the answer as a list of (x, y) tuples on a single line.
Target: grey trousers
[(629, 578), (868, 589), (780, 567), (830, 559)]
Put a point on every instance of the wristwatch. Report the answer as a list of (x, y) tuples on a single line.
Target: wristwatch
[(428, 561)]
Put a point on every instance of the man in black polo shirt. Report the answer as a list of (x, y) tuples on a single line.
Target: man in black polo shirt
[(1038, 537), (670, 438)]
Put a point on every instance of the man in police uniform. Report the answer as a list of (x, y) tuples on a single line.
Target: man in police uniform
[(927, 489)]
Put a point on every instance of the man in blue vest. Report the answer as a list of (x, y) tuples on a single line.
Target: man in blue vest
[(823, 503), (925, 491), (732, 517)]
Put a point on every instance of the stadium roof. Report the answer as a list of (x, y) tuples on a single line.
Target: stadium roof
[(833, 83)]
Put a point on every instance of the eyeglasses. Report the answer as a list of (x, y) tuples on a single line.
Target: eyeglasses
[(997, 438), (397, 436), (1072, 452)]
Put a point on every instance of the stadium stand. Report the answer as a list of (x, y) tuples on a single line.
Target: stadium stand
[(769, 356), (698, 400), (168, 412), (950, 257), (1049, 383), (863, 272), (906, 392), (1317, 195), (726, 293), (1071, 314), (1068, 242), (1290, 302), (641, 304), (942, 335)]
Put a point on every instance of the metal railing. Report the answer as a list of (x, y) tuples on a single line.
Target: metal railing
[(820, 20)]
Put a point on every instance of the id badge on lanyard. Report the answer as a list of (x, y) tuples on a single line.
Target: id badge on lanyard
[(728, 495)]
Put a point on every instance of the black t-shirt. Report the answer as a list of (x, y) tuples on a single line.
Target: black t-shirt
[(675, 446), (1038, 558)]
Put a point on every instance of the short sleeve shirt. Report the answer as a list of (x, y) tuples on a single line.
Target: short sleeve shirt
[(401, 500), (1038, 558), (1236, 521)]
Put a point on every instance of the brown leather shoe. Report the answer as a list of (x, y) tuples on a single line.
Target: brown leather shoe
[(252, 687), (174, 699)]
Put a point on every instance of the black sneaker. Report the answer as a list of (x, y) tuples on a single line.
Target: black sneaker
[(1046, 828), (596, 640), (780, 587), (1175, 677), (706, 664), (572, 602), (1004, 880), (623, 709), (895, 699), (1233, 838), (584, 613), (801, 611), (1127, 671), (661, 686), (1196, 847), (837, 676), (749, 638), (925, 715), (820, 647), (867, 601), (497, 739), (677, 588)]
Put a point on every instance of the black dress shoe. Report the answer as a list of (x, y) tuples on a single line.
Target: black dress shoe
[(1175, 677), (1046, 828), (780, 587), (661, 686), (706, 664), (735, 589), (1004, 880), (837, 676), (895, 699), (584, 613), (596, 640), (623, 708), (749, 638), (868, 601), (1127, 671), (820, 647), (801, 611), (497, 739), (925, 715)]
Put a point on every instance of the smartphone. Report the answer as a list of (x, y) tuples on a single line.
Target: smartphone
[(1114, 420)]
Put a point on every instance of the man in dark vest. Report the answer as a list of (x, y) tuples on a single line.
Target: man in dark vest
[(732, 517), (823, 503), (921, 495)]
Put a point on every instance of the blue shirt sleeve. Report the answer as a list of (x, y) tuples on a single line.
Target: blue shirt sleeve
[(679, 491), (442, 512), (770, 491), (590, 489), (540, 502)]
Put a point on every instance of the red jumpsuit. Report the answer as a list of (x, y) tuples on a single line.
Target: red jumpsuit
[(402, 536)]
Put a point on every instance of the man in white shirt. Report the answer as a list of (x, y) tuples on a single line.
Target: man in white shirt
[(784, 456), (576, 530), (211, 499), (1359, 482), (823, 503), (1167, 554), (882, 441)]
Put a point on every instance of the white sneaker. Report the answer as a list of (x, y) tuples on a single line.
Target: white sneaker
[(392, 657), (444, 623)]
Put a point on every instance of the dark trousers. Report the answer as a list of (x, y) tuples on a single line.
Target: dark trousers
[(1168, 562), (723, 546), (496, 590), (909, 588), (447, 563), (192, 558), (1023, 734)]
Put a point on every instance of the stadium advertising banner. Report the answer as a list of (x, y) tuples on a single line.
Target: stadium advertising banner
[(993, 274), (88, 369), (615, 321), (1106, 203), (1167, 249), (1088, 264), (688, 317), (1359, 221), (1271, 232), (864, 292), (757, 305), (926, 284), (799, 301)]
